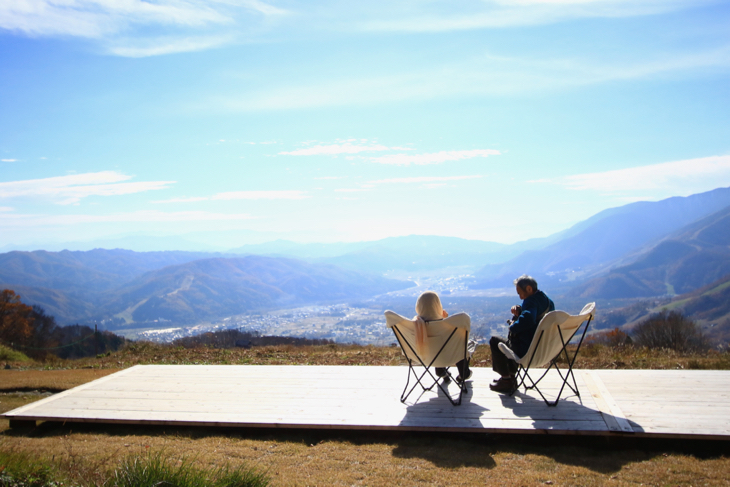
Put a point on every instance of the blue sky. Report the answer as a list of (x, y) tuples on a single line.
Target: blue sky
[(240, 121)]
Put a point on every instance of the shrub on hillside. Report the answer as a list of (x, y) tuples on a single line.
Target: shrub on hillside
[(9, 355), (611, 338), (671, 330), (30, 330), (237, 338), (15, 318)]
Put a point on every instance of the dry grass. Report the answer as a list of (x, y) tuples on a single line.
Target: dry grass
[(590, 357), (87, 453), (48, 380)]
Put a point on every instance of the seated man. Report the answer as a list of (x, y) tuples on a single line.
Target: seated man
[(525, 318)]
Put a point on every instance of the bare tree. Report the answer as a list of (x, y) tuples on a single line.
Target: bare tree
[(672, 330)]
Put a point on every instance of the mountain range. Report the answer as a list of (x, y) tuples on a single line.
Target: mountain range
[(609, 239), (408, 254), (121, 288), (690, 258), (645, 249)]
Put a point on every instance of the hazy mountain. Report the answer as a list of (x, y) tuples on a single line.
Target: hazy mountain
[(410, 253), (196, 241), (76, 271), (124, 286), (67, 307), (606, 240), (690, 258), (308, 251), (214, 288)]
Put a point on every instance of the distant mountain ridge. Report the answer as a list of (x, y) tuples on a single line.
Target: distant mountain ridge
[(412, 253), (212, 288), (644, 249), (608, 239), (77, 270), (120, 286), (690, 258)]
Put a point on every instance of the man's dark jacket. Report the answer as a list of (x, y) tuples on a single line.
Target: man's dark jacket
[(524, 327)]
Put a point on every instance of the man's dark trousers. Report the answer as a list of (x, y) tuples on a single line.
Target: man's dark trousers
[(504, 366)]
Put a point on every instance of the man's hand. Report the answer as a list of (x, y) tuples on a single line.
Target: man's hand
[(516, 310)]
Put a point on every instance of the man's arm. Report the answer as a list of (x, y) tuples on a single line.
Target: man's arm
[(526, 319)]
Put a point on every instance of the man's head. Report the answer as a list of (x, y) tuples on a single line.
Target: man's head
[(526, 286)]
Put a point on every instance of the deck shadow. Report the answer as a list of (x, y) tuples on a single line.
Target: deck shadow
[(528, 404)]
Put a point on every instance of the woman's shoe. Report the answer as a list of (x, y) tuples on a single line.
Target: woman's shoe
[(468, 376)]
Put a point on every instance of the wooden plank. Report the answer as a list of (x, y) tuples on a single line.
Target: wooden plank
[(95, 383), (367, 398), (612, 414)]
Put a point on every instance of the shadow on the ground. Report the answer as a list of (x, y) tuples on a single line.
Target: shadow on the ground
[(604, 455)]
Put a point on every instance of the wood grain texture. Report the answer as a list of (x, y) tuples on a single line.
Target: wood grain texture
[(613, 402)]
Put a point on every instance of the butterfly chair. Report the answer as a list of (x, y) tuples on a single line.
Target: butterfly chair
[(442, 343), (549, 344)]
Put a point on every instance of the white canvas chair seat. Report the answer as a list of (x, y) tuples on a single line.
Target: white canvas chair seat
[(549, 343), (445, 342)]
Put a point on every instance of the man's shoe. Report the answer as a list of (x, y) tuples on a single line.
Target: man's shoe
[(505, 384), (440, 371)]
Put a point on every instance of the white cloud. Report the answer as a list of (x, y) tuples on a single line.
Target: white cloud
[(32, 220), (118, 22), (484, 75), (112, 21), (424, 179), (351, 190), (334, 149), (166, 45), (441, 16), (71, 189), (242, 195), (6, 208), (194, 199), (261, 195), (676, 178), (433, 158), (9, 160), (95, 18)]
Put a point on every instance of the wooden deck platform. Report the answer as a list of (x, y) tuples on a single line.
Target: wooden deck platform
[(657, 403)]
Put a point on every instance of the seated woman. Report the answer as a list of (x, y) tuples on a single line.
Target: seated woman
[(428, 308)]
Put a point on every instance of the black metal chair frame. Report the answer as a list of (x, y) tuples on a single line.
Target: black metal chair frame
[(523, 372), (427, 370)]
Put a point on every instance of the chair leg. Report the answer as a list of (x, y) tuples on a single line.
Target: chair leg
[(427, 371), (419, 380), (569, 375)]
